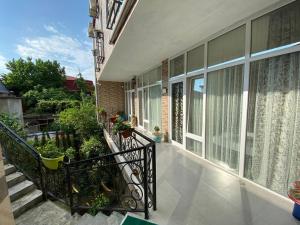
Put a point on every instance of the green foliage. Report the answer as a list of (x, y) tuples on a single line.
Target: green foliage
[(25, 74), (92, 148), (119, 125), (156, 128), (50, 150), (82, 119), (70, 152), (32, 97), (81, 84), (13, 123), (55, 106), (99, 202)]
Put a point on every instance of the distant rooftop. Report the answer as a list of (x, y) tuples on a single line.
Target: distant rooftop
[(3, 89)]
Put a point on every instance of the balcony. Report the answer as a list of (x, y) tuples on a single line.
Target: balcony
[(94, 9), (112, 12), (91, 29)]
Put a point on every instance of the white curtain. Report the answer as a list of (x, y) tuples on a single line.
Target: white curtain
[(223, 116), (154, 107), (273, 130)]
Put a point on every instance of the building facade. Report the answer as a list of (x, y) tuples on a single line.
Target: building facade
[(220, 78)]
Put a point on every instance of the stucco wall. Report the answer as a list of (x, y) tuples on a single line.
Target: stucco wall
[(12, 106)]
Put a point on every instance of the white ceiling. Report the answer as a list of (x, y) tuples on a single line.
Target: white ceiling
[(159, 29)]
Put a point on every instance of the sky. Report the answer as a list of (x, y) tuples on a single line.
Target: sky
[(47, 29)]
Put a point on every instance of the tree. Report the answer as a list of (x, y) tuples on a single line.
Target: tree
[(23, 75), (81, 84)]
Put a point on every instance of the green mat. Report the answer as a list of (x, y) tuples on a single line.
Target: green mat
[(136, 221)]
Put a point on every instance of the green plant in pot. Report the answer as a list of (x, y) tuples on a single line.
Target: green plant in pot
[(51, 155), (157, 134), (122, 127)]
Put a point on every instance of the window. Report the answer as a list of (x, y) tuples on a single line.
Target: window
[(146, 79), (273, 123), (195, 59), (140, 81), (195, 105), (277, 28), (146, 103), (227, 47), (177, 66), (223, 116), (155, 75), (194, 146), (154, 106)]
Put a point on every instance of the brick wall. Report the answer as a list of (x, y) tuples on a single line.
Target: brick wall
[(111, 96), (165, 101)]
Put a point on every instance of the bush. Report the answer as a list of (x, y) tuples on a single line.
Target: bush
[(55, 106), (82, 119), (99, 202), (70, 153), (50, 150), (92, 148), (13, 123)]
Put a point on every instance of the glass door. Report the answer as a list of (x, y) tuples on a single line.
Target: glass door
[(177, 112)]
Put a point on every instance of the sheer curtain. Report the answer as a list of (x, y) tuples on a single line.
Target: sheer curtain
[(223, 116), (273, 124), (154, 106), (177, 112)]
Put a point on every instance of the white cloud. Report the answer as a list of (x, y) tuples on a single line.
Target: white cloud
[(71, 53), (3, 61), (50, 29)]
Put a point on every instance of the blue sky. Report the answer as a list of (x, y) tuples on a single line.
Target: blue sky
[(47, 29)]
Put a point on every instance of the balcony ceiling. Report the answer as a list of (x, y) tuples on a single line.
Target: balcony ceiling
[(158, 29)]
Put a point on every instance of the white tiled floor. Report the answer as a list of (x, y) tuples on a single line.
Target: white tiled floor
[(190, 191)]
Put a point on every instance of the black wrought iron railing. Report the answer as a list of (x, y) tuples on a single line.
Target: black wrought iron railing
[(132, 139), (124, 181), (22, 155), (112, 12)]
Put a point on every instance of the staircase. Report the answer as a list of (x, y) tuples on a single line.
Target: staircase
[(100, 219), (22, 192)]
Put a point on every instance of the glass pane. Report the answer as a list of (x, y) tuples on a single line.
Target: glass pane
[(140, 81), (227, 47), (154, 106), (177, 112), (146, 103), (273, 123), (155, 75), (194, 146), (195, 105), (177, 66), (133, 103), (140, 108), (277, 28), (223, 116), (195, 59), (146, 79), (146, 126)]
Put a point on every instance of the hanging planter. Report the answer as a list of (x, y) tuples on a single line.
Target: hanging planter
[(294, 195)]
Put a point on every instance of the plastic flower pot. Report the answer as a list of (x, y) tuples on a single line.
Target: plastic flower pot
[(296, 211), (157, 138), (126, 133), (52, 163)]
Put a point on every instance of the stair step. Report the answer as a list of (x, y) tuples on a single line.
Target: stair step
[(75, 219), (9, 169), (14, 178), (20, 190), (101, 219), (26, 202), (86, 219), (115, 218)]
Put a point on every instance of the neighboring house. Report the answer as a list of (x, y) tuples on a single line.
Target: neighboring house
[(221, 78), (70, 84), (10, 104)]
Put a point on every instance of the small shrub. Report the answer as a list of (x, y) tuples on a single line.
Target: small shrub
[(13, 123), (70, 153), (50, 150), (92, 148), (99, 202)]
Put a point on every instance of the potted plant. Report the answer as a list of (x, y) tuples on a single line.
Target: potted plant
[(123, 128), (51, 155), (157, 134), (294, 195)]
